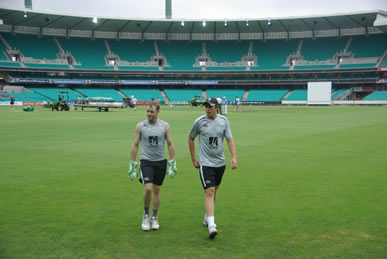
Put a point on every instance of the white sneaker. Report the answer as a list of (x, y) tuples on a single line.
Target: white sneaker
[(155, 223), (212, 232), (205, 223), (145, 223)]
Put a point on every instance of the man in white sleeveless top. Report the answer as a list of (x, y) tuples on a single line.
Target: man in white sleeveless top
[(152, 134)]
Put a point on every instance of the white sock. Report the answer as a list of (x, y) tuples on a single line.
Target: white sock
[(211, 220)]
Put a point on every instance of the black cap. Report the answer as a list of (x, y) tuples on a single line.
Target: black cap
[(211, 101)]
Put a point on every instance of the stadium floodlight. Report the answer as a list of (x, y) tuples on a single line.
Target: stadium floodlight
[(225, 23), (95, 19), (204, 23), (269, 22), (182, 23), (25, 15), (247, 23)]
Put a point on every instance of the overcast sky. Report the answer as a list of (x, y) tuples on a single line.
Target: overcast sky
[(198, 9)]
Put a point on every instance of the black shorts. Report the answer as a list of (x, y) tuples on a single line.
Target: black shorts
[(211, 176), (153, 171)]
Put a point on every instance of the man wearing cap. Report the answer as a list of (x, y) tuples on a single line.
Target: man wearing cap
[(219, 105), (211, 128)]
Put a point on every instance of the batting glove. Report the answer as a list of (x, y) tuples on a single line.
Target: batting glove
[(132, 171), (172, 170)]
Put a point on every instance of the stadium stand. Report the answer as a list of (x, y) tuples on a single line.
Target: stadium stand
[(89, 53), (29, 97), (143, 94), (9, 64), (227, 51), (32, 46), (298, 95), (315, 67), (138, 68), (358, 65), (101, 92), (266, 94), (43, 65), (273, 63), (371, 46), (132, 51), (230, 94), (338, 92), (327, 48), (2, 49), (376, 96), (225, 68), (52, 93), (182, 95), (272, 54), (180, 54)]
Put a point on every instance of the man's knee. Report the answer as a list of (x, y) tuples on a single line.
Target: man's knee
[(148, 188), (210, 192), (156, 189)]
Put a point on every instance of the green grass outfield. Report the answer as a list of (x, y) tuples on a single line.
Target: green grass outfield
[(311, 183)]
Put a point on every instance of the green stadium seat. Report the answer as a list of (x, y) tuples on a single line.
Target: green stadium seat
[(89, 53), (182, 95), (298, 95), (376, 96), (180, 54), (371, 46), (133, 50), (29, 97), (229, 93), (100, 92), (268, 95), (52, 93), (227, 51), (33, 46), (272, 54), (143, 94), (322, 48)]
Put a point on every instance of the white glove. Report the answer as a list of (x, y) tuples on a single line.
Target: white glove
[(132, 171), (172, 170)]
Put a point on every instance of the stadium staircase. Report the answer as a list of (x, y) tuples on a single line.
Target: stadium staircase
[(79, 93), (286, 95), (382, 59), (111, 55), (159, 56), (121, 93), (64, 55), (297, 95), (164, 95), (5, 42), (342, 94), (245, 95), (347, 45), (297, 56), (345, 51)]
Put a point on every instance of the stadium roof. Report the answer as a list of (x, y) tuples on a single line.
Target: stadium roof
[(42, 22)]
